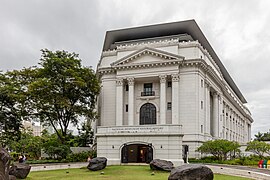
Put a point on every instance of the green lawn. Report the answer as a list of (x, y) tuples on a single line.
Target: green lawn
[(111, 173)]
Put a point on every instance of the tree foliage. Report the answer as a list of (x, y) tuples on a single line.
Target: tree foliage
[(63, 91), (262, 136), (53, 146), (57, 93), (219, 148), (15, 103), (28, 144), (258, 147)]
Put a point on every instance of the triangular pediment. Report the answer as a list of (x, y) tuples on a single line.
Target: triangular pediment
[(147, 55)]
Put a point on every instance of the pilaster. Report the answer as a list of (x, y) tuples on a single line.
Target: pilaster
[(175, 99), (119, 102), (130, 101), (162, 99)]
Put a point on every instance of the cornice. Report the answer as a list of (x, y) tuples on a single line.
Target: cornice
[(148, 65), (146, 51), (106, 70), (197, 44), (151, 43)]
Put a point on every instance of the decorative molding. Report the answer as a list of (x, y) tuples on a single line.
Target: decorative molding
[(148, 65), (130, 81), (163, 78), (109, 53), (175, 77), (147, 51), (119, 82), (102, 71), (153, 43)]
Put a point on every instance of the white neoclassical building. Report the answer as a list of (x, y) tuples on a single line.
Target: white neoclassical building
[(164, 88)]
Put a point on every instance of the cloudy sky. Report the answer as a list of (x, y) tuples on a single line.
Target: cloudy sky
[(239, 31)]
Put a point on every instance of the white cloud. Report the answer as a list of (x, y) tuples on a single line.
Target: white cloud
[(237, 30)]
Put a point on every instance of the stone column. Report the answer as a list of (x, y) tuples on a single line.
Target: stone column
[(162, 99), (175, 99), (130, 101), (207, 109), (220, 117), (119, 102), (215, 115)]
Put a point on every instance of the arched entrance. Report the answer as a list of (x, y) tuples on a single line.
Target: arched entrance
[(148, 114), (137, 153)]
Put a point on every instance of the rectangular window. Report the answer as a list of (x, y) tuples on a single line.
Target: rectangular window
[(201, 128), (201, 83), (169, 84), (148, 89), (126, 107), (201, 104), (169, 106)]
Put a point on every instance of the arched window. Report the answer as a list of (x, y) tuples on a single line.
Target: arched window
[(148, 114)]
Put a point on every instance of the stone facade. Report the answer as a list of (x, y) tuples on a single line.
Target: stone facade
[(169, 74)]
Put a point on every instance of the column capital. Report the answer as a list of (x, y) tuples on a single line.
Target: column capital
[(130, 81), (119, 82), (216, 93), (207, 84), (175, 77), (163, 78)]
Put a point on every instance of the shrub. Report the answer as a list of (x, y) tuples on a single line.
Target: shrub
[(81, 157)]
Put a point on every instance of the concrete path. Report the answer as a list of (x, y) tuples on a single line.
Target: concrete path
[(248, 172), (54, 166)]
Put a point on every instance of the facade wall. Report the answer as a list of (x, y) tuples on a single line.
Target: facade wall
[(165, 140), (202, 101)]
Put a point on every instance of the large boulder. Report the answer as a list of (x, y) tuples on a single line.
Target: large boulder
[(4, 164), (97, 163), (158, 164), (20, 170), (11, 177), (191, 172)]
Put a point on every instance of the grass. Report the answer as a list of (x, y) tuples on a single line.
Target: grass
[(110, 173)]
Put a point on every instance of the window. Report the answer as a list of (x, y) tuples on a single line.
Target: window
[(147, 87), (201, 104), (201, 83), (169, 84), (201, 128), (148, 114), (126, 107), (148, 90), (126, 87), (169, 106)]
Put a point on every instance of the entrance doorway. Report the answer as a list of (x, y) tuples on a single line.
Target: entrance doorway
[(137, 153)]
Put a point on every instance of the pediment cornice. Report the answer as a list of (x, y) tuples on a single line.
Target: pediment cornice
[(146, 51)]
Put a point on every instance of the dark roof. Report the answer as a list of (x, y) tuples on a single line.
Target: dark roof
[(169, 29)]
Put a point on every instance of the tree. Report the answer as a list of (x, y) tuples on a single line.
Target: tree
[(15, 104), (85, 137), (219, 148), (258, 147), (262, 136), (63, 91), (29, 144), (53, 146)]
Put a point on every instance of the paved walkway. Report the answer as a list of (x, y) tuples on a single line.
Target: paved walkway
[(260, 170), (54, 166), (249, 172)]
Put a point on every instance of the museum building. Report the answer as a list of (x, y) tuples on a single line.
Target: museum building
[(164, 91)]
